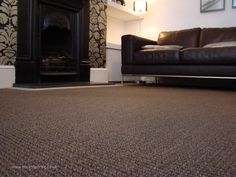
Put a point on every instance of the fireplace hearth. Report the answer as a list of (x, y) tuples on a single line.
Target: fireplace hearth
[(52, 41)]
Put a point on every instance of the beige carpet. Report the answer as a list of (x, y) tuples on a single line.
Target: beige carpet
[(118, 131)]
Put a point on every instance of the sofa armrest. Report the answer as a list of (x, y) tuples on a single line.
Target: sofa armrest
[(130, 44)]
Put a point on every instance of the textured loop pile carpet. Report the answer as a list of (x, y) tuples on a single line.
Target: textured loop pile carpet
[(118, 131)]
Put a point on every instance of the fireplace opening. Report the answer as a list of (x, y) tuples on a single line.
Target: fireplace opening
[(57, 41)]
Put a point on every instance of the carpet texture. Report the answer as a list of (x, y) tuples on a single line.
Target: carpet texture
[(118, 131)]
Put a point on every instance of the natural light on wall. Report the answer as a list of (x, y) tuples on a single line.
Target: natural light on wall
[(140, 6)]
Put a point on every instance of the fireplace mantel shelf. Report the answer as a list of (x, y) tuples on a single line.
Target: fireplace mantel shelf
[(121, 12)]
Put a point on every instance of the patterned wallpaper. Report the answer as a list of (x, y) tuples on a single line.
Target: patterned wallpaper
[(97, 34), (8, 19)]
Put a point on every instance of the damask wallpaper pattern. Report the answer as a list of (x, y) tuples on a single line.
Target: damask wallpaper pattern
[(97, 33), (8, 20)]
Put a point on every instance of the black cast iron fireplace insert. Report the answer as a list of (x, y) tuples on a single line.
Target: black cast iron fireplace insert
[(57, 31), (52, 41)]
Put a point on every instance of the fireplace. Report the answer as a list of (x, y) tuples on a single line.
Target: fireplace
[(52, 41)]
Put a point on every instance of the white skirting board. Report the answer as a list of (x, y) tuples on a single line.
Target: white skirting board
[(99, 75), (7, 76)]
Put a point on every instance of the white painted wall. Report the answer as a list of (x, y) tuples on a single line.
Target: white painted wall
[(133, 27), (166, 15), (113, 64), (115, 29)]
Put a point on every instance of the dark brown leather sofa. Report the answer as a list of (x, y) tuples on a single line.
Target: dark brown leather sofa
[(193, 60)]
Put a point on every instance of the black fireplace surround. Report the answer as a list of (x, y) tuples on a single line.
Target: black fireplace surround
[(53, 40)]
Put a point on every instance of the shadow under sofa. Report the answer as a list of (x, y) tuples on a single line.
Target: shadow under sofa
[(200, 53)]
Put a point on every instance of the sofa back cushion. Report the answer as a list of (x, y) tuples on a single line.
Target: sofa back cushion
[(213, 35), (185, 38)]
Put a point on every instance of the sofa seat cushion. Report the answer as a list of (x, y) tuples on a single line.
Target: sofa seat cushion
[(162, 47), (221, 44), (211, 56), (155, 57)]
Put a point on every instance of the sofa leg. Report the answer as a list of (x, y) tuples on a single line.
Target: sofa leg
[(156, 79), (122, 79)]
